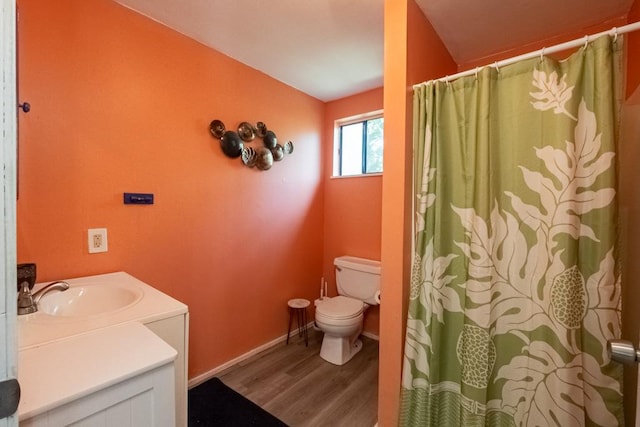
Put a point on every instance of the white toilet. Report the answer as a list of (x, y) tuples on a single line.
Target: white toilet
[(340, 318)]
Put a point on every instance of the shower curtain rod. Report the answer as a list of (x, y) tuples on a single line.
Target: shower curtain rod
[(557, 48)]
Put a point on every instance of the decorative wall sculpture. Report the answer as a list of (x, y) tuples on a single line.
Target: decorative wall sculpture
[(236, 144)]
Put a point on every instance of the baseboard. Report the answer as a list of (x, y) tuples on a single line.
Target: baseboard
[(195, 381)]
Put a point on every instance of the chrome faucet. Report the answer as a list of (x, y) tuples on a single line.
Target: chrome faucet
[(28, 303), (60, 285)]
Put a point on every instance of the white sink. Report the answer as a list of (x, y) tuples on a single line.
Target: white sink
[(88, 300)]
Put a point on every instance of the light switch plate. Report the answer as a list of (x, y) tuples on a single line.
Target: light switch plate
[(97, 240)]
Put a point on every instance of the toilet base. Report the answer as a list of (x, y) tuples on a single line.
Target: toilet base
[(339, 350)]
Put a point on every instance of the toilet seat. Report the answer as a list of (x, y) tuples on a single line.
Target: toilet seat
[(340, 308)]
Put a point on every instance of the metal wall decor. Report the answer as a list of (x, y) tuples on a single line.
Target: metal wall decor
[(236, 144)]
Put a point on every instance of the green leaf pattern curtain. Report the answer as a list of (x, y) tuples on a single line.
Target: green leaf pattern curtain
[(515, 287)]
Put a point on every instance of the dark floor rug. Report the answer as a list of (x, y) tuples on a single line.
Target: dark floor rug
[(214, 404)]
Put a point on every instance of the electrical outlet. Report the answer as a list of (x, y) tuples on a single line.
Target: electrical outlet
[(97, 240)]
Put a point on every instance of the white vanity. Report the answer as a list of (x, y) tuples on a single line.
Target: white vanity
[(87, 381), (86, 348)]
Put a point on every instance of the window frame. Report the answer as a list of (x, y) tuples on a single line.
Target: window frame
[(337, 143)]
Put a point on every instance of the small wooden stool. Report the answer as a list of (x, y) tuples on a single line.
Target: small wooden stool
[(298, 307)]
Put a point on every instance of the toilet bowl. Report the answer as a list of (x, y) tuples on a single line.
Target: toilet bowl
[(341, 317)]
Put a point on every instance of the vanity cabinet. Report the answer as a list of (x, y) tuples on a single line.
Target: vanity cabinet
[(124, 379), (161, 317), (144, 401)]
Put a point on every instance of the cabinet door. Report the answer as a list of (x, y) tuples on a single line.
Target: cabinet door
[(142, 401)]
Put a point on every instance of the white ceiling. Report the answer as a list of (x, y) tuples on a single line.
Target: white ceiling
[(334, 48)]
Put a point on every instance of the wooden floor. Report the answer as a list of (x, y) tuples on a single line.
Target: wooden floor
[(293, 383)]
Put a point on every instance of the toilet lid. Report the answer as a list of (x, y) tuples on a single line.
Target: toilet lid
[(340, 307)]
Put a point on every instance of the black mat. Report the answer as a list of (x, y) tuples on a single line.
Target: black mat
[(214, 404)]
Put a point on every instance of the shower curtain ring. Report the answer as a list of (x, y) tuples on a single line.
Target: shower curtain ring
[(542, 54), (615, 34), (477, 69), (495, 64), (586, 41)]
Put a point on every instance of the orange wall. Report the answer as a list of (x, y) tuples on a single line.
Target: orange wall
[(352, 206), (122, 104), (413, 53)]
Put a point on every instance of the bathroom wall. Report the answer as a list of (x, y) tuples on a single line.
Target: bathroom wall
[(352, 205), (413, 53), (123, 104)]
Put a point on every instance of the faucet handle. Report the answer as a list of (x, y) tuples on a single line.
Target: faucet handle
[(26, 272), (26, 305)]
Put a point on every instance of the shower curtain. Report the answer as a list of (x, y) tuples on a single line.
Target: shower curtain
[(515, 287)]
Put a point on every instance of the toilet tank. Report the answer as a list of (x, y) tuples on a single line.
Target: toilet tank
[(358, 278)]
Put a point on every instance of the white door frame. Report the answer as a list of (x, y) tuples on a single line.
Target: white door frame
[(8, 133)]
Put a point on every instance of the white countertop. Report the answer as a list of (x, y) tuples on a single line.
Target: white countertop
[(40, 328), (59, 372)]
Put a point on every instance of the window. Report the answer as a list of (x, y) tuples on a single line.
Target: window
[(358, 145)]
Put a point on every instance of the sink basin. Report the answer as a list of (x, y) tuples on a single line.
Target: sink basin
[(88, 300)]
